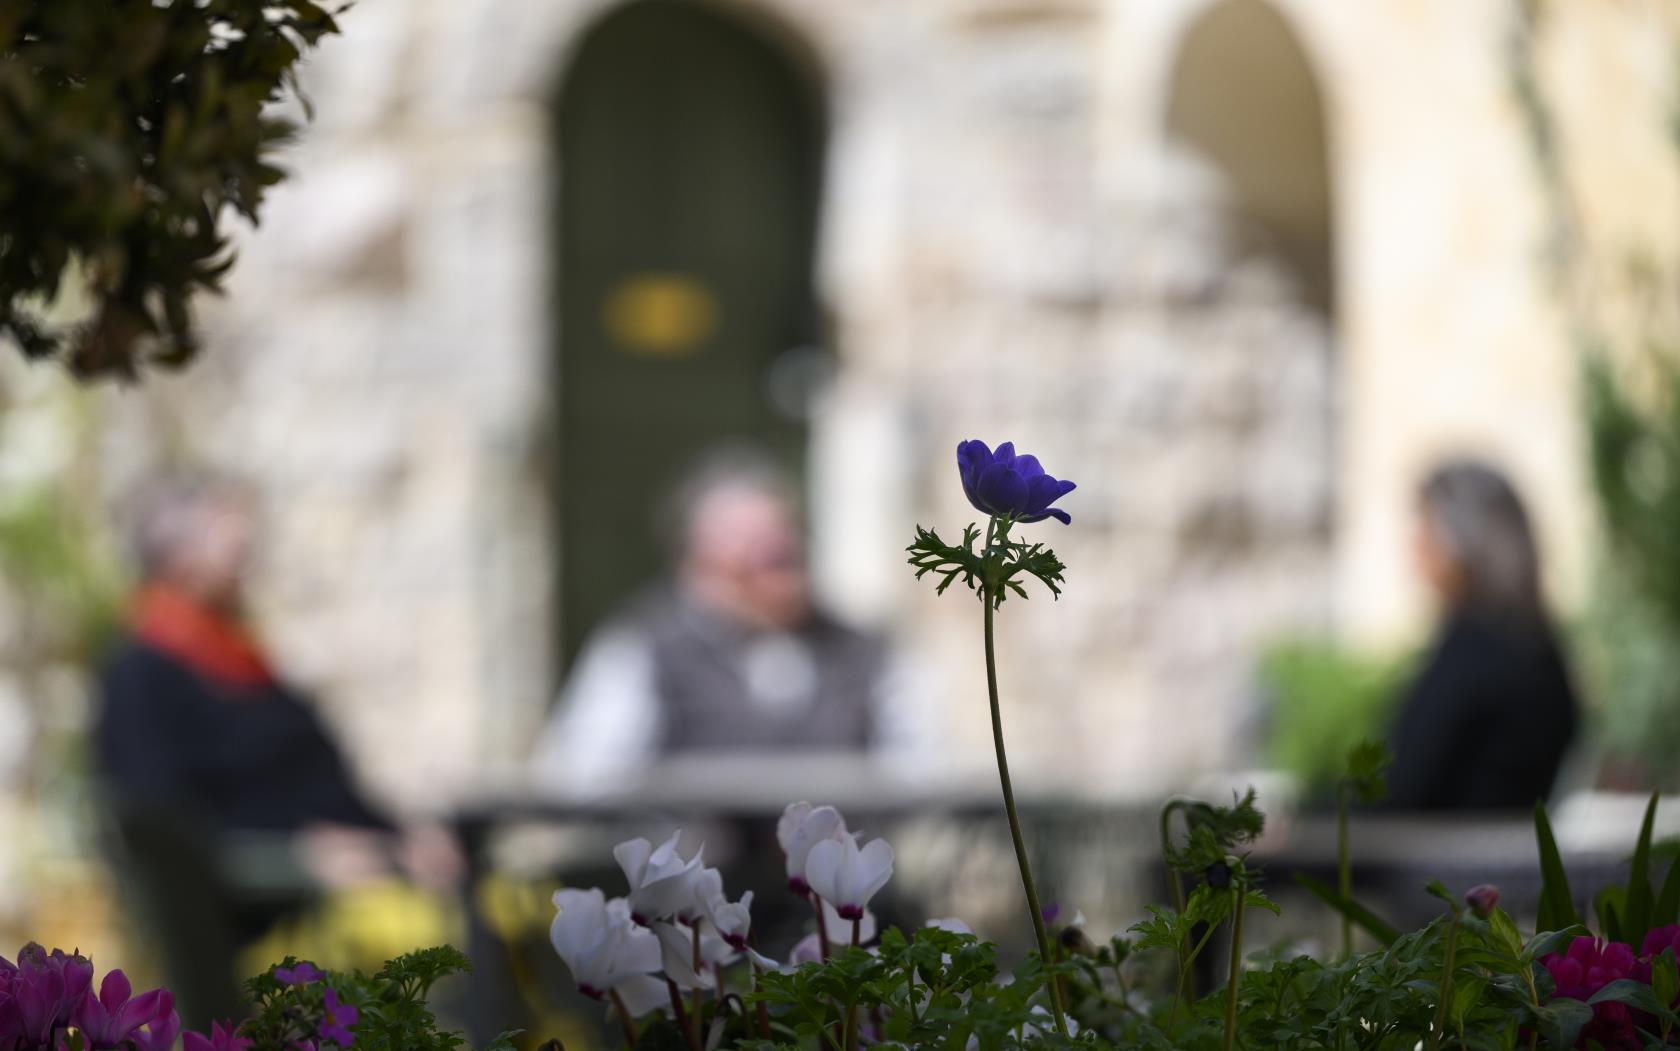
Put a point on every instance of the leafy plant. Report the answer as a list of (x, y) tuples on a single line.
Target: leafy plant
[(126, 132), (1324, 700), (297, 1005)]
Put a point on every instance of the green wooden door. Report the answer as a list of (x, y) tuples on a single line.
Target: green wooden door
[(689, 162)]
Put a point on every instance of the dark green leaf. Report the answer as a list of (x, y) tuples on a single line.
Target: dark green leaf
[(1640, 902), (1557, 907), (1562, 1019), (1667, 909), (1631, 992), (1364, 918), (1610, 904)]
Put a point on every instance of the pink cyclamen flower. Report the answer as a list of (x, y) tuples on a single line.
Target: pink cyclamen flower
[(301, 974), (335, 1025), (1588, 966), (224, 1036), (116, 1018)]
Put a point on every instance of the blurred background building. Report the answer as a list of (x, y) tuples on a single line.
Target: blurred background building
[(1242, 269)]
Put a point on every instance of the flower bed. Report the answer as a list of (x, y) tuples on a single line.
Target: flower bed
[(676, 962)]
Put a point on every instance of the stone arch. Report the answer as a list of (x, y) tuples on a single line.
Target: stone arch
[(1243, 96)]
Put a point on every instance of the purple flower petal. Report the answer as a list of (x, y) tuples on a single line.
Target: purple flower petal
[(1001, 490), (302, 974), (1029, 467), (1006, 484)]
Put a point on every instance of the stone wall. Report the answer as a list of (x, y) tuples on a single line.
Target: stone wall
[(1011, 248)]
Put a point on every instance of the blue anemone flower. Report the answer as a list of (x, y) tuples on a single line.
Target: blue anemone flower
[(1009, 486)]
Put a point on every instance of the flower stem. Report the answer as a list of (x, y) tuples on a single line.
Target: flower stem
[(684, 1022), (851, 1008), (1447, 965), (988, 600), (822, 928), (1185, 977), (1238, 892), (1344, 867), (624, 1020), (694, 996), (910, 991), (763, 1008)]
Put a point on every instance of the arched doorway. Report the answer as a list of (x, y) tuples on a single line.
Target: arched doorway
[(690, 156), (1244, 98), (1245, 551)]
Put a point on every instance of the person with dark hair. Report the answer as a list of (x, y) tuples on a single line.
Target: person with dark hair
[(205, 751), (1488, 719)]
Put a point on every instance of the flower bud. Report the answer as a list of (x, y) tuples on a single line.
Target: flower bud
[(1482, 898), (1218, 875), (1075, 943)]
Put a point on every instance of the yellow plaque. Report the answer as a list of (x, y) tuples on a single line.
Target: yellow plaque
[(660, 315)]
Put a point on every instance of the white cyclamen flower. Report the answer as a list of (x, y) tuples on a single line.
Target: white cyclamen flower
[(605, 949), (709, 904), (661, 881), (705, 896), (846, 876), (950, 923), (733, 919), (803, 826), (676, 950), (840, 929)]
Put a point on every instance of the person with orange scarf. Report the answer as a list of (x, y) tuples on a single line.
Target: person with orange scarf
[(210, 760)]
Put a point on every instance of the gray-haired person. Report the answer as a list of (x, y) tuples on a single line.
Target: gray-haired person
[(730, 654), (1487, 721)]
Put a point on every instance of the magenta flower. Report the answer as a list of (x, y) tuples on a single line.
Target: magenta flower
[(115, 1018), (335, 1026), (1588, 966), (1005, 485), (224, 1036), (1659, 938), (39, 994), (302, 974)]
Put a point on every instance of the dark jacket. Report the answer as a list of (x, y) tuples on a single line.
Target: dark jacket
[(235, 759), (1486, 723)]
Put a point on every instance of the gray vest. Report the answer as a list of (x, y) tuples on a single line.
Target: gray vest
[(723, 688)]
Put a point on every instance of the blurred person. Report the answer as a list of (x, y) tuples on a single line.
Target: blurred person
[(728, 655), (1487, 721), (205, 751)]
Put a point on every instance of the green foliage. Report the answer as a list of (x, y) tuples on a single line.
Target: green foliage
[(1632, 635), (1367, 770), (1625, 913), (1635, 457), (996, 569), (933, 989), (391, 1006), (1362, 917), (59, 568), (1325, 701), (1630, 664), (126, 132), (1464, 980), (1557, 905), (1212, 834), (939, 990)]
